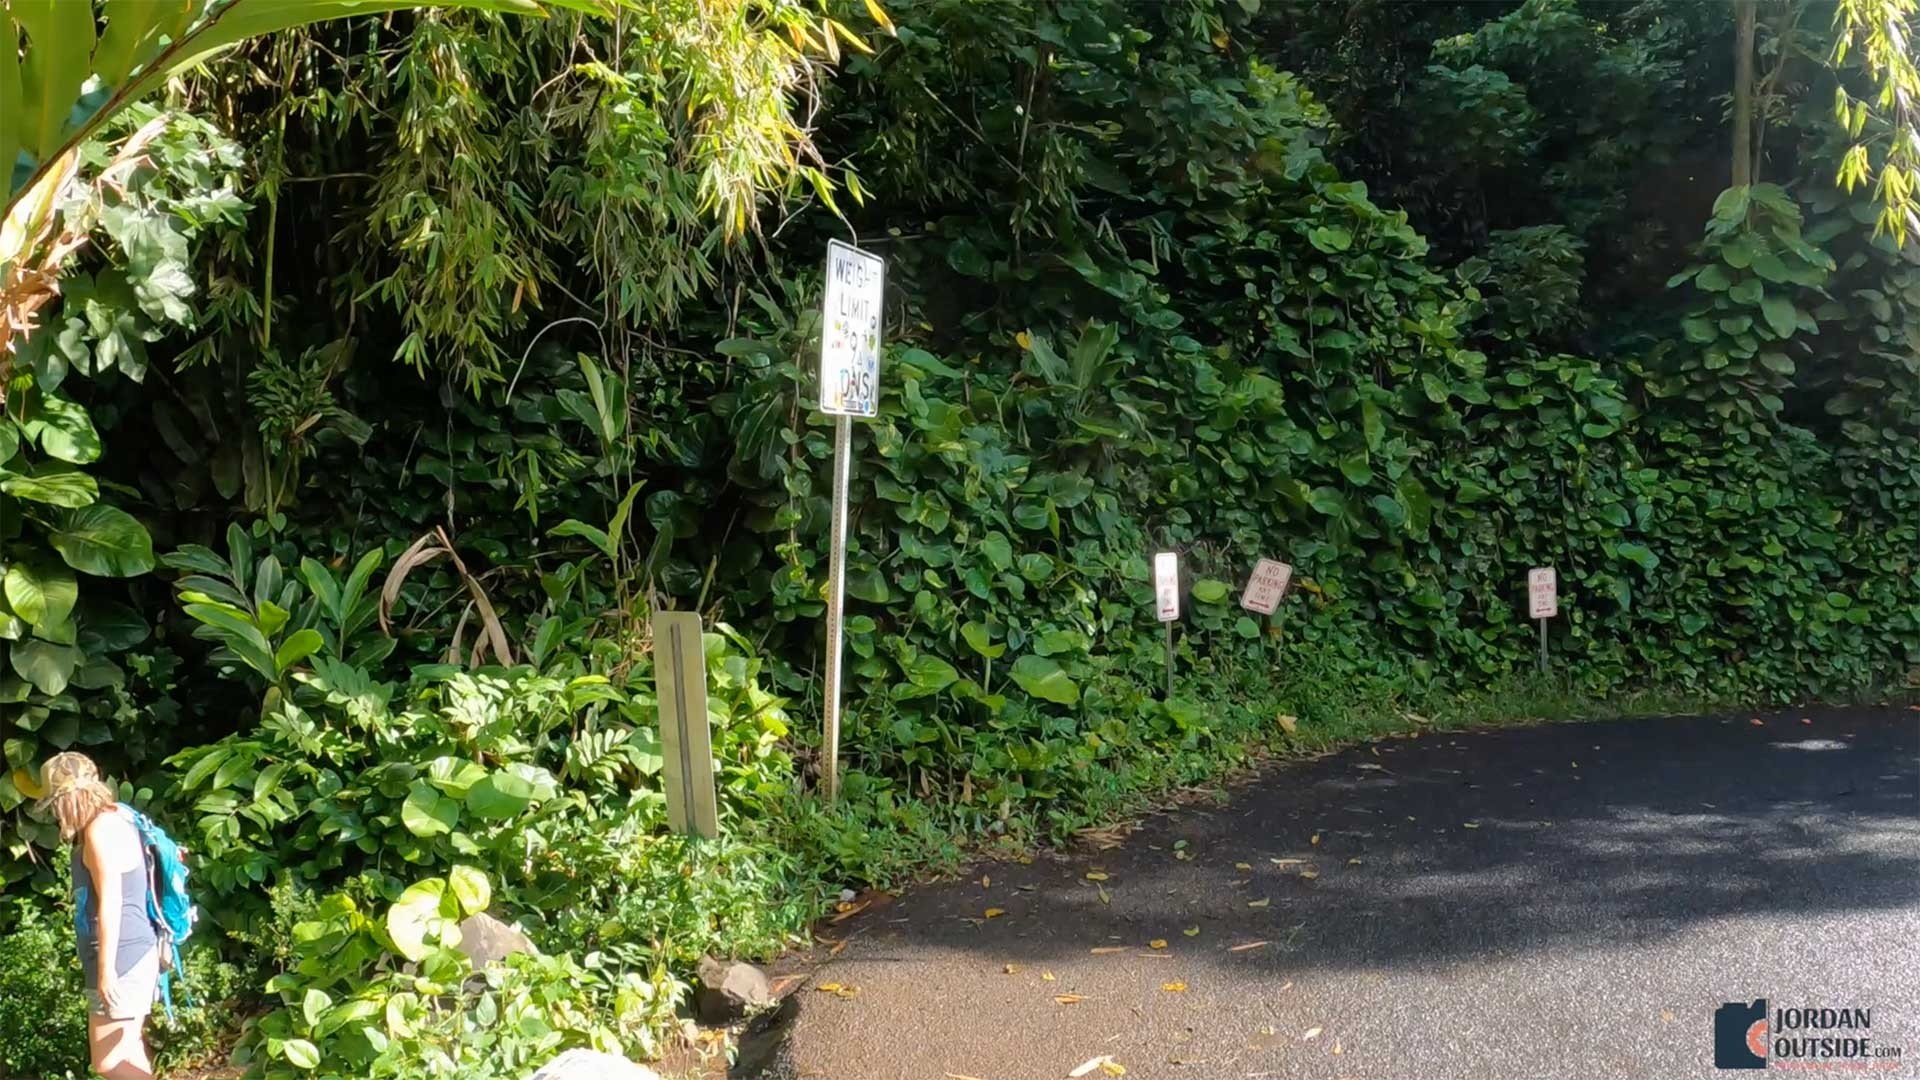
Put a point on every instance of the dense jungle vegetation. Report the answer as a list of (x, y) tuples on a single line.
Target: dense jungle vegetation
[(416, 358)]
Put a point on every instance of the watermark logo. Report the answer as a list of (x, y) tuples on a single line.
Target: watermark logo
[(1746, 1035)]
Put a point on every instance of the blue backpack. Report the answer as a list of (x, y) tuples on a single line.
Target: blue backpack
[(168, 906)]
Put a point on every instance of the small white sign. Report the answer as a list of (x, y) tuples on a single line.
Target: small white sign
[(1166, 586), (850, 331), (1543, 593), (1267, 587)]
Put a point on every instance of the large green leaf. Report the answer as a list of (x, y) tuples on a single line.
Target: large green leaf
[(53, 64), (41, 592), (427, 909), (925, 676), (104, 540), (52, 482), (64, 430), (501, 795), (1044, 678), (426, 812), (471, 889), (47, 666)]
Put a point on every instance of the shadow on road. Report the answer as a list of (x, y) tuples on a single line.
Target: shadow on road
[(1457, 849)]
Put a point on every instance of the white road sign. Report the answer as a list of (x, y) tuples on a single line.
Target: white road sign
[(1166, 586), (1267, 586), (850, 332), (1543, 593)]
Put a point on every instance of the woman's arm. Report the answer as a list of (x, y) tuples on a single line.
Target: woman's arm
[(102, 862)]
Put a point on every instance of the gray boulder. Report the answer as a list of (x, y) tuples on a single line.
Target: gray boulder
[(729, 990), (486, 940), (592, 1065)]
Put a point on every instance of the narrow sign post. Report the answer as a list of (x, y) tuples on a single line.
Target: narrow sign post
[(1166, 601), (686, 739), (849, 387), (1266, 588), (1543, 603)]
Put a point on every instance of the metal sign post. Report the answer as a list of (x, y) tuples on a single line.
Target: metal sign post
[(1543, 603), (686, 739), (1266, 588), (1166, 601), (849, 387)]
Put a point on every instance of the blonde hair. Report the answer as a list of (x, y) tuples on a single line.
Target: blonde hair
[(75, 793)]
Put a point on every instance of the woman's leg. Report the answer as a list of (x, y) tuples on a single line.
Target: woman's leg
[(119, 1048)]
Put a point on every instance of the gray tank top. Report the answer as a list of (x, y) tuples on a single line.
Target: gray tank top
[(136, 929)]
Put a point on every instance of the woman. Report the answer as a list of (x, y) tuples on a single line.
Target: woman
[(118, 951)]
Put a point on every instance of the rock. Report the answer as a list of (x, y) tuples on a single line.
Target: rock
[(486, 940), (730, 989), (592, 1065), (847, 895)]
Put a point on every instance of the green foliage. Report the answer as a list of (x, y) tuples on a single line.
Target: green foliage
[(1147, 292), (43, 1013), (383, 991)]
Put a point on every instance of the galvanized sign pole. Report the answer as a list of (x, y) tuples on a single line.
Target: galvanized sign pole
[(849, 387), (1543, 603)]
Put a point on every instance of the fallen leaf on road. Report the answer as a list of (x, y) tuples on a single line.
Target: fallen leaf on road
[(1371, 765), (1086, 1067), (1095, 875), (1250, 945), (1260, 903), (1289, 724), (986, 881), (1469, 824), (1046, 976), (1315, 840), (1806, 720), (1353, 862), (828, 988), (1106, 950), (1113, 1068), (848, 911), (958, 1076), (1293, 862), (1174, 987), (1157, 943), (1309, 874), (994, 912), (1011, 968), (1666, 1016), (1026, 860), (1243, 867), (1183, 854), (1105, 897), (1312, 1033), (1757, 722), (1336, 1048), (1068, 999), (1191, 931)]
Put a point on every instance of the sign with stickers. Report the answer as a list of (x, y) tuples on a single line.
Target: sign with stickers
[(1267, 586), (850, 332), (1166, 586), (1543, 593)]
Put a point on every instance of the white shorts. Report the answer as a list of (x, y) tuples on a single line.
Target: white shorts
[(136, 989)]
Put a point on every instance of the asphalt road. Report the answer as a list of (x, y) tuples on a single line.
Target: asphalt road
[(1569, 901)]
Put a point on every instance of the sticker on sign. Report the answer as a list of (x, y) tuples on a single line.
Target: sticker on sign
[(1267, 586), (1166, 586), (1543, 593), (850, 332)]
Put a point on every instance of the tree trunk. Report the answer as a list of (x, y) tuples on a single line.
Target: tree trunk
[(1743, 15)]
